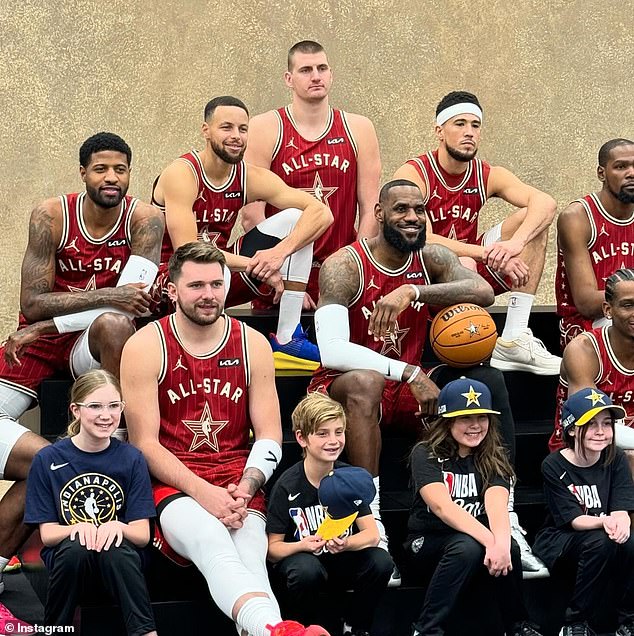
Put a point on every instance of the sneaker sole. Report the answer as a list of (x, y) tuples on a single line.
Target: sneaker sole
[(285, 362), (519, 366), (543, 573)]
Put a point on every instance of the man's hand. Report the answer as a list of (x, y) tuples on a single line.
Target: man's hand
[(426, 394), (336, 545), (312, 543), (107, 534), (617, 527), (498, 254), (15, 344), (130, 298), (277, 284), (240, 492), (385, 312), (497, 560), (517, 270), (265, 263), (309, 304), (231, 511), (87, 534)]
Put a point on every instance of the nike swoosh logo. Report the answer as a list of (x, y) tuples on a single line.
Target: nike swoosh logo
[(58, 466), (293, 497)]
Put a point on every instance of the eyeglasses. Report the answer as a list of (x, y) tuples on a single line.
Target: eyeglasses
[(98, 407)]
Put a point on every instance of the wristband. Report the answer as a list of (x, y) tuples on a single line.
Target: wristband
[(265, 455), (416, 291), (412, 377)]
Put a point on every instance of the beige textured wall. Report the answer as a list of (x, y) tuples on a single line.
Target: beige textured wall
[(554, 76)]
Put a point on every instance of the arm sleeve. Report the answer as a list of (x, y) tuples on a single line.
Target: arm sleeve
[(425, 470), (139, 500), (41, 502), (561, 501), (332, 327), (622, 490)]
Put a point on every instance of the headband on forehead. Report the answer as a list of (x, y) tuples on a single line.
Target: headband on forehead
[(466, 108)]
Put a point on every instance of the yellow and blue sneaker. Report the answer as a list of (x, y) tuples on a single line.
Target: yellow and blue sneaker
[(298, 356)]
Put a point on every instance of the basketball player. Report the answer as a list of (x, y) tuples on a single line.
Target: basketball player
[(595, 236), (455, 186), (195, 384), (201, 194), (320, 149), (376, 376), (603, 357), (89, 258)]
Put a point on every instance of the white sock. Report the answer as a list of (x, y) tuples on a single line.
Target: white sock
[(290, 314), (517, 314), (256, 614)]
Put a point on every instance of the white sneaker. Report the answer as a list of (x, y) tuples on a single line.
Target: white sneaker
[(524, 353), (531, 565)]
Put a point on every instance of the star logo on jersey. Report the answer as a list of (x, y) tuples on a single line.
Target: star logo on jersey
[(73, 245), (472, 330), (394, 341), (319, 191), (209, 237), (90, 286), (291, 143), (453, 235), (205, 430), (435, 195), (372, 284), (595, 398), (472, 396), (179, 364)]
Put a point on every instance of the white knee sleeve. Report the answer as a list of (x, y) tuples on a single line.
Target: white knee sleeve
[(10, 432), (624, 436), (492, 235), (14, 402)]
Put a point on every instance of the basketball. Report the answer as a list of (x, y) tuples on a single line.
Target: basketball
[(463, 335)]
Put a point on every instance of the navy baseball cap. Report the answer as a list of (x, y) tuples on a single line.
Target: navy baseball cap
[(465, 397), (583, 405), (343, 492)]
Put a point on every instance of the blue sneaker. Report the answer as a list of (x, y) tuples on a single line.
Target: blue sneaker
[(299, 354)]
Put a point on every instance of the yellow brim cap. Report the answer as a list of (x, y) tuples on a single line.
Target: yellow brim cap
[(331, 528)]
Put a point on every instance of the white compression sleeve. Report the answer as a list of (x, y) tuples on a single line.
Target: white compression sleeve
[(138, 269), (337, 352)]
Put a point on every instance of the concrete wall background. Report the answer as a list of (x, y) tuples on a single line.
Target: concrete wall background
[(554, 76)]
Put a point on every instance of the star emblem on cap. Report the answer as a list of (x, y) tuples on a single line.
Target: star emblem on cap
[(472, 396), (595, 397), (205, 430)]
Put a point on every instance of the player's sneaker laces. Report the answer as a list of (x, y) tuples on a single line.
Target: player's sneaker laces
[(14, 565), (627, 629), (293, 628), (524, 353), (17, 626), (577, 629), (524, 628), (298, 354), (530, 563)]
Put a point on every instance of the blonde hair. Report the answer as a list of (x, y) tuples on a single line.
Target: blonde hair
[(315, 409), (83, 386)]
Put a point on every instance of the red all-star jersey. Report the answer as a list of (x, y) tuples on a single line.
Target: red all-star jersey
[(613, 378), (611, 246), (204, 402), (453, 202), (216, 208), (326, 168), (407, 340)]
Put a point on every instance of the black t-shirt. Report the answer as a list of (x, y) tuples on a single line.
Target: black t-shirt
[(293, 508), (464, 483), (572, 491)]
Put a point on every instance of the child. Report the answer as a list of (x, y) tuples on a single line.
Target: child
[(91, 496), (304, 563), (459, 520), (589, 495)]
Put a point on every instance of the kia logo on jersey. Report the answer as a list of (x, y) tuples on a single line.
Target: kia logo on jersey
[(414, 275), (336, 140), (229, 362), (116, 243), (232, 195), (470, 191)]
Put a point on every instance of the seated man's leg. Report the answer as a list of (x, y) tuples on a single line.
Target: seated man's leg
[(517, 349), (198, 536), (289, 347)]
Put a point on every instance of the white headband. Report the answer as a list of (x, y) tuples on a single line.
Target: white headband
[(466, 108)]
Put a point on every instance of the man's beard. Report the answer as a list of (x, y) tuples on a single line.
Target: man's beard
[(189, 311), (103, 201), (396, 240), (225, 156), (622, 195), (460, 155)]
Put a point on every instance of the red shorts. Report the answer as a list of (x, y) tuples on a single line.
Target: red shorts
[(40, 360), (398, 405)]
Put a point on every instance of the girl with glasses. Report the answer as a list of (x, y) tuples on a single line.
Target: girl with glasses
[(90, 494)]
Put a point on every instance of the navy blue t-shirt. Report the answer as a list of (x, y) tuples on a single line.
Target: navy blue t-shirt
[(67, 486)]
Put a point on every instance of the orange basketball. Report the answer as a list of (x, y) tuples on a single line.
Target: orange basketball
[(463, 335)]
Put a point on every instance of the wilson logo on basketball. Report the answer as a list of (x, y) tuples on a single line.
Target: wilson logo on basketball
[(458, 309), (229, 362)]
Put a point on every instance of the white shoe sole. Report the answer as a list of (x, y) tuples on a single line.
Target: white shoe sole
[(504, 365)]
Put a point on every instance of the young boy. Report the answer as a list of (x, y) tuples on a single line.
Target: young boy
[(305, 563)]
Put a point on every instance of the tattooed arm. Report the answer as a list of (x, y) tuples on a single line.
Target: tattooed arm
[(146, 231), (451, 283)]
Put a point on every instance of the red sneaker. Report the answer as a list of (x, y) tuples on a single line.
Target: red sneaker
[(17, 626), (14, 564), (293, 628)]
